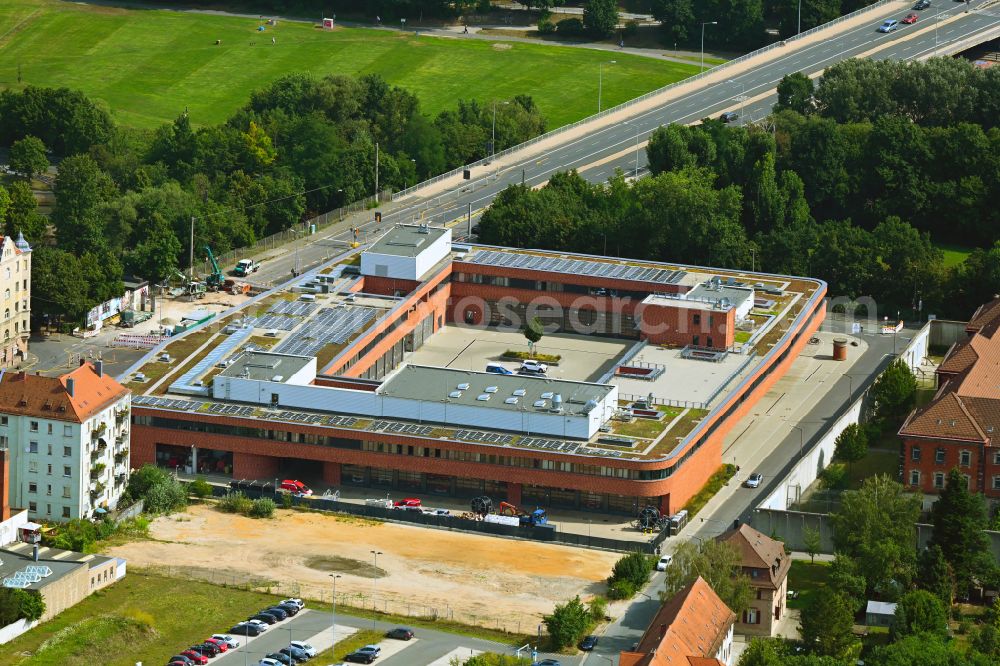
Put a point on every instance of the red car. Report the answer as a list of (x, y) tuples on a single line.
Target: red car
[(222, 645), (197, 658), (295, 487), (409, 501), (910, 19)]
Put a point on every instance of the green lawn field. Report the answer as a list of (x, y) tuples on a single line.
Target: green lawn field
[(954, 255), (147, 66)]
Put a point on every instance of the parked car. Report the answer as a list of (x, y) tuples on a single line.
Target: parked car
[(910, 19), (291, 609), (664, 562), (359, 657), (196, 658), (268, 662), (282, 658), (279, 613), (266, 618), (729, 117), (371, 649), (264, 626), (922, 4), (531, 365), (247, 629), (888, 25), (178, 663), (305, 647), (294, 653), (222, 645), (753, 481), (407, 502), (296, 601), (182, 659), (547, 662), (588, 643), (231, 641), (400, 633), (295, 487), (498, 369), (207, 649)]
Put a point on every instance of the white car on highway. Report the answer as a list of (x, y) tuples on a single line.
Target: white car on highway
[(664, 562)]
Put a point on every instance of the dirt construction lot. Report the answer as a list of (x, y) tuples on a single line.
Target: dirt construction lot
[(420, 571)]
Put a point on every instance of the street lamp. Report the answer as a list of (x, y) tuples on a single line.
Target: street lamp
[(801, 437), (376, 553), (333, 622), (703, 42), (600, 81), (800, 18)]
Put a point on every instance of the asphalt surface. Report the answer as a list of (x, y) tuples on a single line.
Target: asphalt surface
[(427, 648), (626, 630), (755, 87)]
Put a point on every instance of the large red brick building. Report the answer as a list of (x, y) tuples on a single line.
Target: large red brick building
[(957, 429), (365, 417)]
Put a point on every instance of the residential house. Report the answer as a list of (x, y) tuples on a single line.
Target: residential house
[(763, 559), (693, 628), (15, 299), (67, 441)]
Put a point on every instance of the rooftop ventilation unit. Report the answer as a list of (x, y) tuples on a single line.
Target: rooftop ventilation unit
[(463, 387), (519, 392), (510, 401), (547, 395), (483, 397), (540, 404), (492, 389), (455, 394)]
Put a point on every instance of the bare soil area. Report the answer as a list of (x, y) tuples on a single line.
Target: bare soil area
[(420, 571)]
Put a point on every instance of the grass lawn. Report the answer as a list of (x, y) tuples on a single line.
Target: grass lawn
[(147, 66), (953, 254), (878, 461), (350, 644), (806, 578), (152, 615)]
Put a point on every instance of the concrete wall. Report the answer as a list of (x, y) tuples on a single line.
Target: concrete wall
[(945, 333), (15, 629)]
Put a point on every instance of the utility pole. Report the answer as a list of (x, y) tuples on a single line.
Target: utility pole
[(192, 249), (469, 218), (376, 172)]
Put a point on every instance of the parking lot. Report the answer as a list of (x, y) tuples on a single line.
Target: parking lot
[(427, 648), (584, 358)]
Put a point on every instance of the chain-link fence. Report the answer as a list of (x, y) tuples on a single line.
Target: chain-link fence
[(350, 603)]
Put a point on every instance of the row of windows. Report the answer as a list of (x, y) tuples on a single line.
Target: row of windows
[(939, 479), (34, 427), (964, 456), (33, 508), (33, 468), (33, 488)]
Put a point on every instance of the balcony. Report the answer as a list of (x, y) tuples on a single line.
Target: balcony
[(121, 416), (96, 470)]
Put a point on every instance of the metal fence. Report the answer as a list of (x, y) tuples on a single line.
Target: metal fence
[(667, 402), (450, 522), (637, 100)]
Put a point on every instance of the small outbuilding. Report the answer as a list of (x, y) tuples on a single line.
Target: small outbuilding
[(879, 613)]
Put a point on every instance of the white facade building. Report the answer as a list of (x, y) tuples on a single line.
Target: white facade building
[(406, 252), (68, 442), (15, 300)]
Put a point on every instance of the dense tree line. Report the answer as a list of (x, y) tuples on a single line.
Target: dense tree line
[(125, 198), (839, 185)]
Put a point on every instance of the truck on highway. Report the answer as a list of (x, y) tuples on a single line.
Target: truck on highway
[(245, 267)]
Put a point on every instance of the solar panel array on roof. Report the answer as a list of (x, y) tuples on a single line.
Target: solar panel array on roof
[(332, 326), (400, 428), (185, 384), (485, 437), (167, 403), (602, 269), (548, 444), (295, 308), (315, 419), (607, 453), (273, 321), (231, 410)]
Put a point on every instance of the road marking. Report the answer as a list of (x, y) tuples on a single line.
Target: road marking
[(459, 653)]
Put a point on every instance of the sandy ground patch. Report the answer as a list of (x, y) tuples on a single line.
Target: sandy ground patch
[(452, 574)]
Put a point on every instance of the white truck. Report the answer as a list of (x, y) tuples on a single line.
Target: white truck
[(245, 267)]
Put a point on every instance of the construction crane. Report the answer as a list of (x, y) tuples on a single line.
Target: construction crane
[(216, 280)]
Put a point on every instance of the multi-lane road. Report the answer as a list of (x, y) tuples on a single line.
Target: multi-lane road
[(749, 90)]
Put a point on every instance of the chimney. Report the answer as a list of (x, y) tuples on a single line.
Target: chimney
[(83, 362), (70, 386), (99, 368), (4, 485)]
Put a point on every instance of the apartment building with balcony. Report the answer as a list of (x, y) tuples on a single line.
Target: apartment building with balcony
[(15, 300), (67, 439)]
